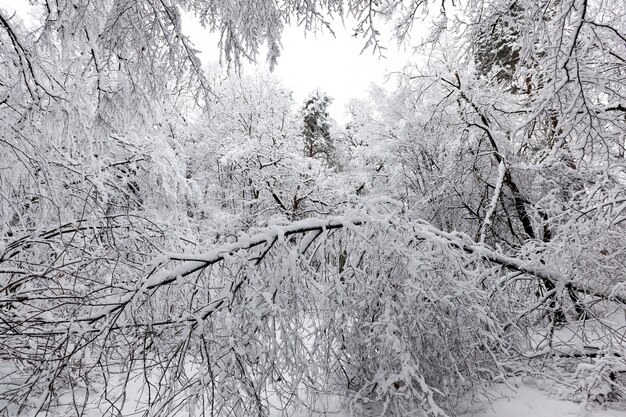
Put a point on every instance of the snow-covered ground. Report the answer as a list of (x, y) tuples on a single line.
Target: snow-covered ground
[(518, 399), (524, 400)]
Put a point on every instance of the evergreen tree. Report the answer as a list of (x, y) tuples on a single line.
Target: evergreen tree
[(496, 48), (316, 129)]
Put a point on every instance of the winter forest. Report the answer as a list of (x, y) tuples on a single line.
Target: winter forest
[(181, 240)]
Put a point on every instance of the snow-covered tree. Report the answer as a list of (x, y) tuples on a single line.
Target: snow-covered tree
[(316, 127), (166, 246)]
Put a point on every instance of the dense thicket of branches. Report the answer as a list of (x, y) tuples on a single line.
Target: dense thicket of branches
[(168, 246)]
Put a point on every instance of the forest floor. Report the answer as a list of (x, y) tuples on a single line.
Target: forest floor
[(526, 400), (518, 399)]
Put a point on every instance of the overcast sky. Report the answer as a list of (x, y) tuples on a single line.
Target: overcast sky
[(332, 64), (335, 65)]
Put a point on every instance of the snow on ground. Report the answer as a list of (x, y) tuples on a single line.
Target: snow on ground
[(527, 401), (518, 400)]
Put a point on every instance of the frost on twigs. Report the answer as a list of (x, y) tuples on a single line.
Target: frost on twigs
[(376, 319), (396, 315), (482, 234)]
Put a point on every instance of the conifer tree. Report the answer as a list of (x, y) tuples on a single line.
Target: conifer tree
[(316, 129)]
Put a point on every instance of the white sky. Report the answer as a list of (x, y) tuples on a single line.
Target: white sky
[(332, 64), (335, 65)]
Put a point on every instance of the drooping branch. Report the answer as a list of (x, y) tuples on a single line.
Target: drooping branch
[(26, 63), (421, 230), (192, 263), (113, 304), (536, 269)]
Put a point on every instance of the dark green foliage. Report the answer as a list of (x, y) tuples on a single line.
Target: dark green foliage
[(316, 129), (496, 48)]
